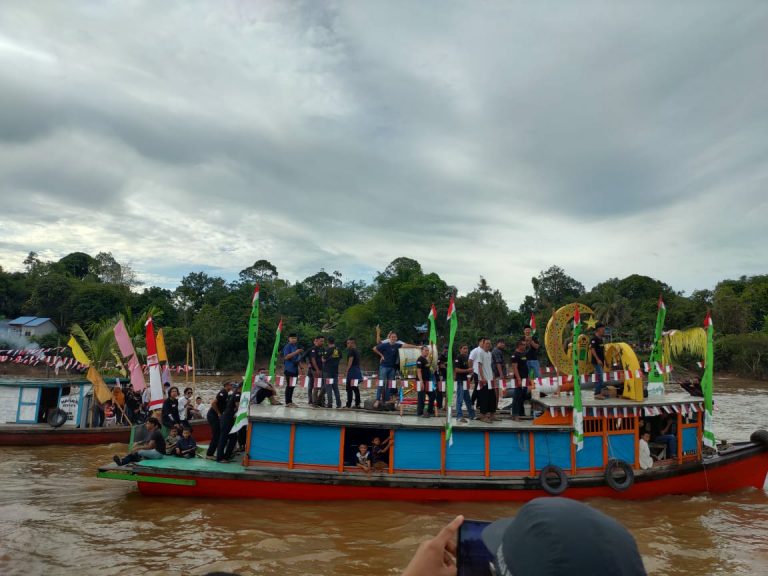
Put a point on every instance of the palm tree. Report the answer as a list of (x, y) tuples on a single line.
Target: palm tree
[(98, 341)]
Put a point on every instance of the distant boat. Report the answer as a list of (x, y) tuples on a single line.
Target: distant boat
[(27, 405)]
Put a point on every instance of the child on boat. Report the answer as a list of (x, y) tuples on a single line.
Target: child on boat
[(646, 462), (364, 458), (380, 457), (186, 446), (171, 441)]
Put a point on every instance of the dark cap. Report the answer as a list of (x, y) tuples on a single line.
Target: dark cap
[(559, 536), (599, 325)]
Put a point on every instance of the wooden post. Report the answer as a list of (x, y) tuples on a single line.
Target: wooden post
[(341, 448), (186, 366), (391, 451), (487, 453), (532, 454), (292, 441), (442, 451)]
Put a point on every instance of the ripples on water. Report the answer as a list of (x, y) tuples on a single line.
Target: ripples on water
[(57, 518)]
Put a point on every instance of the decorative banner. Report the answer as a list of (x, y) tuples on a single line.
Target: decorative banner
[(77, 352), (578, 415), (707, 384), (273, 360), (655, 375), (100, 389), (253, 330), (153, 367)]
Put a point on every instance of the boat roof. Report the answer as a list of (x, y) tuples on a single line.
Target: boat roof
[(376, 419)]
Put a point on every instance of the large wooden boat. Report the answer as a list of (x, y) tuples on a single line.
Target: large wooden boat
[(309, 454), (26, 406)]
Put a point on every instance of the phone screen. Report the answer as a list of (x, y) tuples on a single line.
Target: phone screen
[(472, 556)]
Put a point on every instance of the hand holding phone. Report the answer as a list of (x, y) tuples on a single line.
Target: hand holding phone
[(472, 555)]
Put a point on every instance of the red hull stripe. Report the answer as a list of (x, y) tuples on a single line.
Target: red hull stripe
[(749, 472)]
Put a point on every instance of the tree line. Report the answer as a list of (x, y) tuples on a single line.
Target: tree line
[(88, 291)]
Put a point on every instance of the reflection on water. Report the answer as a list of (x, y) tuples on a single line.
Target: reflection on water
[(57, 518)]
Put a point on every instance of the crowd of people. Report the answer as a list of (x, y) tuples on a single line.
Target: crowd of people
[(474, 373)]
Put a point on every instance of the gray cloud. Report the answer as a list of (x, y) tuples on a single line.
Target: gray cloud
[(487, 139)]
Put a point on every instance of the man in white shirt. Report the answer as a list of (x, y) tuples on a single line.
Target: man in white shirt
[(483, 368), (646, 462), (473, 355)]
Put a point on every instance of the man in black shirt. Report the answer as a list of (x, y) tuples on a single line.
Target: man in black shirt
[(499, 367), (532, 351), (353, 373), (462, 370), (424, 377), (152, 449), (315, 370), (597, 356), (228, 441), (519, 364), (442, 375), (331, 360), (214, 417)]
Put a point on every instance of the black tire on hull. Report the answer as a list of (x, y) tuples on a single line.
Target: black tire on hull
[(57, 418), (562, 480), (759, 437), (629, 476)]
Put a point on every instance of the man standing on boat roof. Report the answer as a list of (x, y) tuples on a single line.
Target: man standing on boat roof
[(389, 354), (499, 366), (425, 382), (486, 397), (532, 351), (291, 355), (331, 360), (315, 370), (597, 356), (353, 373)]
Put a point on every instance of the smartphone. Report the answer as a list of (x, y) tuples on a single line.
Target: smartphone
[(472, 556)]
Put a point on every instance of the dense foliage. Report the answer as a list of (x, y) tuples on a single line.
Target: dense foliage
[(88, 291)]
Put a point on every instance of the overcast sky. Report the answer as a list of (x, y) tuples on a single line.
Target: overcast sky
[(480, 138)]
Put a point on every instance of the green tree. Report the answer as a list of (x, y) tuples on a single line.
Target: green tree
[(553, 288)]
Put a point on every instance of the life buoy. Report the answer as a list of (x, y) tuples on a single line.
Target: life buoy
[(57, 418), (612, 481), (544, 479)]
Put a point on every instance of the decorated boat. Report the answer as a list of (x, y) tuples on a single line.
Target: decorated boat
[(575, 443), (43, 412)]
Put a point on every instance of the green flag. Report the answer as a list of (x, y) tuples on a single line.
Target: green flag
[(433, 333), (578, 410), (245, 394), (707, 383), (453, 321), (656, 360), (273, 360)]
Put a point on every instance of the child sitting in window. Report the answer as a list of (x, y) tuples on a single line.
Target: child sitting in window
[(364, 458), (186, 445), (380, 453)]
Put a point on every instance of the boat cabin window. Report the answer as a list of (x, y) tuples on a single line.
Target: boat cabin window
[(353, 437)]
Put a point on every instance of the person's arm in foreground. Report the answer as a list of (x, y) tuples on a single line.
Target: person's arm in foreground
[(437, 557)]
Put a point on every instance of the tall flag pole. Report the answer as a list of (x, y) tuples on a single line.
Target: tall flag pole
[(273, 360), (655, 376), (245, 394), (155, 382), (578, 411), (707, 383), (162, 356), (453, 322)]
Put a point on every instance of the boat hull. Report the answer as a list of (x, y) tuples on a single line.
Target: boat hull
[(44, 435), (745, 467)]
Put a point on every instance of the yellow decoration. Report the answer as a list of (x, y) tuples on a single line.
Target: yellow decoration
[(621, 354), (77, 352), (591, 323), (100, 389), (554, 339), (162, 356)]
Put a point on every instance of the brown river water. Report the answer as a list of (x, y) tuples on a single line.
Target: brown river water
[(56, 517)]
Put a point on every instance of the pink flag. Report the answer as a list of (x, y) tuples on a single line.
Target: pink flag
[(123, 340), (137, 375)]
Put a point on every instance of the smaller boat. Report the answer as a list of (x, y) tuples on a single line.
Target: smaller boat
[(56, 412)]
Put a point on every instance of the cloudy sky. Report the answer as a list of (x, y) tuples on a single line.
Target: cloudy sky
[(480, 138)]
